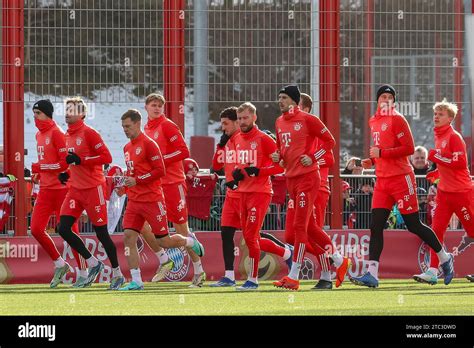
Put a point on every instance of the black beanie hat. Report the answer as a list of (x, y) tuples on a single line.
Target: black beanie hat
[(292, 91), (45, 106), (386, 89)]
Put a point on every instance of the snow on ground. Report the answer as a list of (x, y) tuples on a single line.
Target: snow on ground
[(104, 116)]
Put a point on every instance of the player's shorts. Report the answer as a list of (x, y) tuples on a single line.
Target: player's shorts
[(231, 212), (154, 213), (175, 200), (399, 190), (91, 200)]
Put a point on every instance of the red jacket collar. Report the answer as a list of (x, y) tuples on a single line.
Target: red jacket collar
[(291, 113), (442, 130), (153, 123), (75, 127)]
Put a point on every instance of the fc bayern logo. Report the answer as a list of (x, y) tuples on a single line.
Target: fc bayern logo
[(253, 145), (384, 127), (424, 258), (138, 150), (155, 136), (181, 261), (298, 126), (78, 141), (444, 143), (47, 141)]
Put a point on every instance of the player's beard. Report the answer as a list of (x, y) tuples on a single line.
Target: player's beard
[(247, 128)]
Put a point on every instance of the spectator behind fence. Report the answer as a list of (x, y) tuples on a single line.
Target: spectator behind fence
[(349, 205), (353, 166), (363, 201), (422, 203), (419, 160)]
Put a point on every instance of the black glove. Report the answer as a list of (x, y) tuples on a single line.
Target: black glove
[(63, 177), (252, 171), (224, 139), (238, 175), (73, 158), (232, 185)]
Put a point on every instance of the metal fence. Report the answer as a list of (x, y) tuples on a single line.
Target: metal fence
[(112, 52), (418, 47), (359, 213)]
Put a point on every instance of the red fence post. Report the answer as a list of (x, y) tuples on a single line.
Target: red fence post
[(458, 49), (13, 106), (174, 62), (368, 96), (330, 101)]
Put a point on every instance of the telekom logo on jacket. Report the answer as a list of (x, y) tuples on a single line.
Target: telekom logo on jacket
[(40, 152), (286, 138), (376, 136), (247, 157)]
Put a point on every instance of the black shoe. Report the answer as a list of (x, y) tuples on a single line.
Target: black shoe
[(470, 277), (322, 285)]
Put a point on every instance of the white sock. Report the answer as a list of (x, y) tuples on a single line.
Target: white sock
[(253, 280), (337, 258), (230, 275), (295, 271), (434, 271), (92, 262), (82, 273), (136, 276), (189, 242), (197, 267), (443, 256), (374, 269), (116, 272), (326, 275), (162, 256), (59, 262), (287, 253)]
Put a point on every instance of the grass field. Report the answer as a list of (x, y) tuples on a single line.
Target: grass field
[(393, 297)]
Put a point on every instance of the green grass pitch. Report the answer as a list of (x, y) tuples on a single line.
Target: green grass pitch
[(393, 297)]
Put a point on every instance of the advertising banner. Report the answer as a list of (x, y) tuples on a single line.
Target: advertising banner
[(23, 261)]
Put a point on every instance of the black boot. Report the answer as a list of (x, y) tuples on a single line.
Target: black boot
[(470, 277), (322, 285)]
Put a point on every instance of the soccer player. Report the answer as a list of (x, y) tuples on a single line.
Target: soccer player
[(87, 153), (316, 221), (395, 184), (252, 177), (174, 149), (298, 135), (145, 167), (51, 147), (225, 158), (455, 187)]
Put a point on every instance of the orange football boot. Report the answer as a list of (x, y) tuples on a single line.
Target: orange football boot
[(287, 283), (341, 271)]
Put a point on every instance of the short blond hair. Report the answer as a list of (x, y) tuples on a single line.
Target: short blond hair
[(247, 106), (153, 97), (306, 101), (451, 108), (79, 102)]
